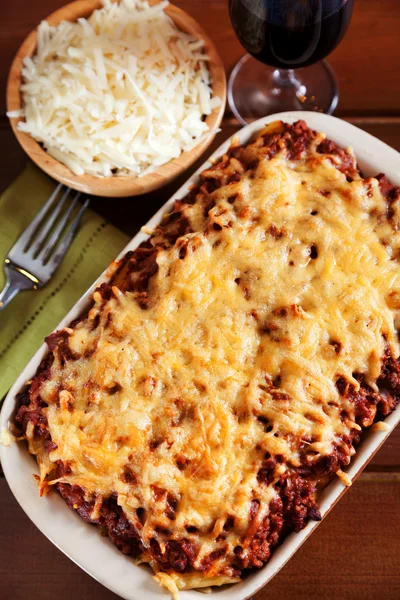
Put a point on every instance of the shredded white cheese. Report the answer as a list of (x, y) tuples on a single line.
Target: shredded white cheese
[(344, 478), (147, 230), (122, 92), (380, 426), (6, 437)]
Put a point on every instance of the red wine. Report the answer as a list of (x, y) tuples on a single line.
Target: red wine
[(290, 33)]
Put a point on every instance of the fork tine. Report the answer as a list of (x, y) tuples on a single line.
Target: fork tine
[(26, 236), (52, 242), (66, 240), (38, 241)]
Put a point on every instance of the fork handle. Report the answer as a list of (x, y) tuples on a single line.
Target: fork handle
[(9, 292)]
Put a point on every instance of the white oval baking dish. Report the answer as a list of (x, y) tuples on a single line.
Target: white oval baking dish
[(82, 543)]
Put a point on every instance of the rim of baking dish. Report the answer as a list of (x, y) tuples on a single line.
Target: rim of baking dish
[(82, 544)]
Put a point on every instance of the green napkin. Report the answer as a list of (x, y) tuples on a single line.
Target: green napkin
[(34, 314)]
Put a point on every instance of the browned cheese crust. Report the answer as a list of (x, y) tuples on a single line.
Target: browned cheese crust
[(297, 487)]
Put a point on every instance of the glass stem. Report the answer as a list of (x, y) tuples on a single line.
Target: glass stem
[(285, 78), (286, 82)]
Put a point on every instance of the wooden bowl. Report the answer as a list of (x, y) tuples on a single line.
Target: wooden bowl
[(117, 186)]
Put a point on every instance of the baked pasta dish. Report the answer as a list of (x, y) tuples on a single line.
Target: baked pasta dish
[(226, 372)]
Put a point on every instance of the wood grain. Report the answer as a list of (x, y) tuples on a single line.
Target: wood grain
[(343, 559), (116, 186)]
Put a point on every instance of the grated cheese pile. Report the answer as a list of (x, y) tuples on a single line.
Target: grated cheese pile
[(122, 92)]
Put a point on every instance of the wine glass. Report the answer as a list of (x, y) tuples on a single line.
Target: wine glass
[(285, 36)]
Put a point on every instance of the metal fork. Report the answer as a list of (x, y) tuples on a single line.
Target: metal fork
[(38, 252)]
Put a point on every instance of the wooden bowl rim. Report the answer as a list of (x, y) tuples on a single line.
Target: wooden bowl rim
[(117, 186)]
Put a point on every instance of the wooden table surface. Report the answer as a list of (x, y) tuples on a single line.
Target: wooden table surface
[(354, 554)]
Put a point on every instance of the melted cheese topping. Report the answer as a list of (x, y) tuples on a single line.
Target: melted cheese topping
[(236, 356)]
